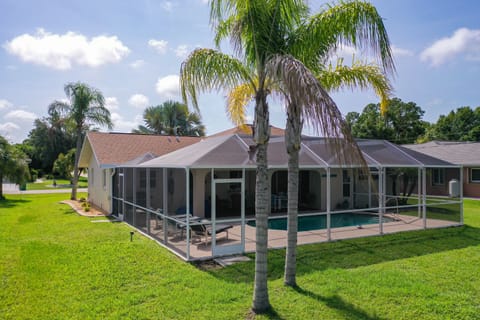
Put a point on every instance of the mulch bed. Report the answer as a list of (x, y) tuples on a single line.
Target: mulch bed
[(77, 206)]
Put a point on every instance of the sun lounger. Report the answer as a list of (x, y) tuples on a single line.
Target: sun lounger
[(205, 229)]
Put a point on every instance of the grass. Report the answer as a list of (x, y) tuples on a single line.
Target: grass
[(56, 264), (47, 184)]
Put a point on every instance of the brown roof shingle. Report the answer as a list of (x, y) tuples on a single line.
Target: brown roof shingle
[(274, 131), (116, 148)]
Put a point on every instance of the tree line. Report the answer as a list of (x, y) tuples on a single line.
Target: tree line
[(53, 145), (403, 123)]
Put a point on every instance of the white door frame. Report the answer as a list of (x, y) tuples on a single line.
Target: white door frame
[(235, 248)]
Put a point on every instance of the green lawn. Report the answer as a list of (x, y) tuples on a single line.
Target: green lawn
[(47, 184), (55, 264)]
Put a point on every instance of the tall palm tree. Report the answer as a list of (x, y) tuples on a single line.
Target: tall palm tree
[(354, 23), (346, 23), (171, 118), (86, 107), (256, 30), (259, 31)]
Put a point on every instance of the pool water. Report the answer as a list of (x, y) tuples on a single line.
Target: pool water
[(320, 222)]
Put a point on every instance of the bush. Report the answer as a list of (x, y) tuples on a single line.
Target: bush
[(33, 175), (82, 199)]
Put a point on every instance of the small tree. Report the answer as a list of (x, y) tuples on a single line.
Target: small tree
[(13, 164), (64, 164)]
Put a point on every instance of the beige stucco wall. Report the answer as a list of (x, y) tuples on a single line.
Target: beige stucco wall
[(98, 194)]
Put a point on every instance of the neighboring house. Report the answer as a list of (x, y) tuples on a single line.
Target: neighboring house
[(465, 154), (103, 152)]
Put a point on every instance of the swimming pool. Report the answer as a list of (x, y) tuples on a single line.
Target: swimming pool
[(320, 222)]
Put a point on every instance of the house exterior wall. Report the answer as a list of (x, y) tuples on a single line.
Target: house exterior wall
[(470, 189), (99, 189), (442, 189)]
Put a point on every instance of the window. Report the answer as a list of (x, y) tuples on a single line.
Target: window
[(438, 177), (90, 176), (475, 175)]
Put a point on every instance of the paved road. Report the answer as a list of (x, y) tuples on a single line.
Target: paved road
[(10, 188)]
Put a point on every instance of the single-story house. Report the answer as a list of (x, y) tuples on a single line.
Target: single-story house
[(103, 152), (465, 154), (199, 200)]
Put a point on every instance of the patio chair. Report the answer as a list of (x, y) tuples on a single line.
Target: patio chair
[(205, 229)]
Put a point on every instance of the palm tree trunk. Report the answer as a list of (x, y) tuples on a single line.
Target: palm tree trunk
[(262, 198), (76, 170), (293, 144)]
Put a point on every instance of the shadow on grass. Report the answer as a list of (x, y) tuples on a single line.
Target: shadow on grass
[(355, 253), (348, 310), (10, 203)]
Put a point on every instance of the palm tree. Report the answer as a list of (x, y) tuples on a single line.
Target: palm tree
[(257, 30), (354, 23), (346, 23), (171, 118), (86, 107)]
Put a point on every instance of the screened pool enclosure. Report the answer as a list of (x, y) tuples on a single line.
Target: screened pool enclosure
[(199, 201)]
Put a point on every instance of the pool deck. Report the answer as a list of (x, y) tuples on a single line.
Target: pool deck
[(278, 238)]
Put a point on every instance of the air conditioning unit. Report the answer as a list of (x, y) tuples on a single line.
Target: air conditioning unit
[(454, 188)]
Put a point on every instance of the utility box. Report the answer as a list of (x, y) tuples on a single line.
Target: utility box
[(454, 188)]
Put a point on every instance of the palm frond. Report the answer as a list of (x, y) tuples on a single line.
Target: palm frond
[(210, 70), (352, 23), (303, 90), (359, 75), (237, 101), (59, 109)]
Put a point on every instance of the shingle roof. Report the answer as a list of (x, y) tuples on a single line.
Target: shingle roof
[(274, 131), (460, 153), (117, 148)]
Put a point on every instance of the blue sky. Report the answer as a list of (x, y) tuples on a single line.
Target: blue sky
[(132, 51)]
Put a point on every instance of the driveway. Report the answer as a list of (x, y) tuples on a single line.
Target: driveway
[(10, 188)]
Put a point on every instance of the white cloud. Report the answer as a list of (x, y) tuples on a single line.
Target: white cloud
[(5, 104), (137, 64), (400, 52), (138, 101), (463, 42), (111, 103), (10, 131), (21, 115), (181, 51), (159, 45), (122, 125), (168, 5), (8, 127), (168, 87), (62, 51)]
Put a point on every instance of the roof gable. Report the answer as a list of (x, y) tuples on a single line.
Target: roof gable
[(111, 149)]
